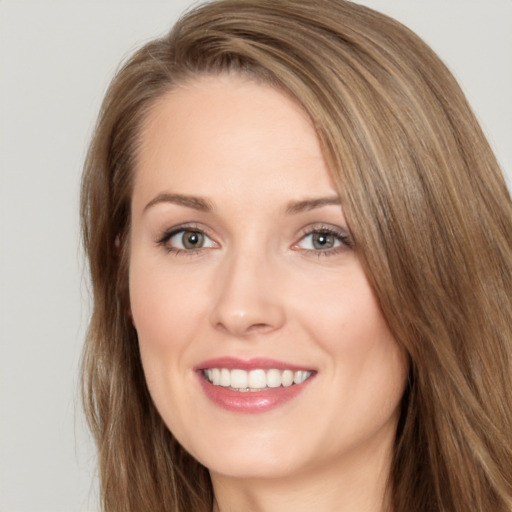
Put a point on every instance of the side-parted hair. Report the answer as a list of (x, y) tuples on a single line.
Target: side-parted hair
[(429, 212)]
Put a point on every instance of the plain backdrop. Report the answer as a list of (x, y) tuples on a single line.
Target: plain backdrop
[(56, 58)]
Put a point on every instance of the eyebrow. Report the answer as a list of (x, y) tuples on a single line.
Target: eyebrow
[(200, 204), (196, 203), (310, 204)]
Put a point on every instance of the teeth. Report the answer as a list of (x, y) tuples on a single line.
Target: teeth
[(287, 378), (299, 377), (225, 377), (255, 379), (273, 378), (238, 379)]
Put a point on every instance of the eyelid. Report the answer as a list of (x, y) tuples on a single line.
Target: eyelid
[(342, 234), (169, 233)]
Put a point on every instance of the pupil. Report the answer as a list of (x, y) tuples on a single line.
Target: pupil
[(323, 241), (192, 240)]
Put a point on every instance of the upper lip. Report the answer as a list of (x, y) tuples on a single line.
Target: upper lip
[(249, 364)]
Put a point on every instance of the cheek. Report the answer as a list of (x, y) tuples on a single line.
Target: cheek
[(165, 309), (342, 312), (164, 304), (150, 303), (166, 312), (366, 349), (367, 365)]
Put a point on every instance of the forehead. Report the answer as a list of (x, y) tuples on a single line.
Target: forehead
[(221, 135)]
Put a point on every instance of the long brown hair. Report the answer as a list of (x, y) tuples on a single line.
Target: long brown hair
[(429, 212)]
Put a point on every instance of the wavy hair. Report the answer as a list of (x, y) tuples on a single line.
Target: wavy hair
[(431, 218)]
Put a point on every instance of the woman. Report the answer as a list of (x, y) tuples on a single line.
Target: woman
[(300, 250)]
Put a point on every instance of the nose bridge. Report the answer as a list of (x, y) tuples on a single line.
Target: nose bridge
[(247, 297)]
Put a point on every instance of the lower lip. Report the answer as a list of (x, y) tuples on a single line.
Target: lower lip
[(251, 402)]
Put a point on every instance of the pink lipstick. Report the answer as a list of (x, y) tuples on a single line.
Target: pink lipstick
[(252, 386)]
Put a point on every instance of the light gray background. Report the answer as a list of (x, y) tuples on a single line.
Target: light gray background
[(56, 58)]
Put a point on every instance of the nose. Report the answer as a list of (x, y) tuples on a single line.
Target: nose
[(247, 297)]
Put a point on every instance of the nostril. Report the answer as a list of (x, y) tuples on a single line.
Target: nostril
[(241, 329), (259, 327)]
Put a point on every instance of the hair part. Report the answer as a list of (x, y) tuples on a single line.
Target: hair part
[(428, 209)]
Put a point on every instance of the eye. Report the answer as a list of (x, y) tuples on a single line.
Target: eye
[(182, 239), (319, 241), (324, 241)]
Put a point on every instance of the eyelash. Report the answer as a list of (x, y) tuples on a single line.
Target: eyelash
[(167, 235), (343, 237)]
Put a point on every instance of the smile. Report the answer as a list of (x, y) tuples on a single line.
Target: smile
[(254, 385), (255, 380)]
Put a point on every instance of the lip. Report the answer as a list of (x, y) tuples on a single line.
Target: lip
[(250, 402), (248, 364)]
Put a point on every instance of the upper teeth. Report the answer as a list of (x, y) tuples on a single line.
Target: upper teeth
[(255, 379)]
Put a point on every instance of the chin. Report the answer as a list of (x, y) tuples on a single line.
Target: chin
[(248, 456), (252, 467)]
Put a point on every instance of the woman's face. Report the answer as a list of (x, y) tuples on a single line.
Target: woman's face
[(263, 345)]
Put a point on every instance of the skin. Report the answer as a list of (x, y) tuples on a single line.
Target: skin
[(259, 287)]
